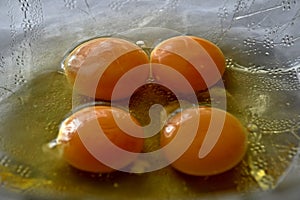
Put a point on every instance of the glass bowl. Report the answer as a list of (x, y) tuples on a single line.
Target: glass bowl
[(261, 42)]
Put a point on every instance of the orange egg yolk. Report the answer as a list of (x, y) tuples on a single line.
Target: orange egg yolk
[(227, 152), (201, 62), (78, 135), (95, 67)]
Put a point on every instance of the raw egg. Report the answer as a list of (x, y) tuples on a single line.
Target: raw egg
[(201, 63), (228, 150), (95, 67), (80, 138)]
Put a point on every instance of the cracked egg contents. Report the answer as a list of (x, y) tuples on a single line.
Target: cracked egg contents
[(225, 140), (94, 67), (80, 137), (199, 61)]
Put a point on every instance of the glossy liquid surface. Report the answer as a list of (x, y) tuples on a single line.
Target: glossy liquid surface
[(30, 119)]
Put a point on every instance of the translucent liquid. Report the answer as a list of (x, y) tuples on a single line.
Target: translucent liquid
[(264, 102)]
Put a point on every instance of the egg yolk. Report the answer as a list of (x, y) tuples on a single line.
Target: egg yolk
[(95, 67), (201, 62), (78, 135), (226, 153)]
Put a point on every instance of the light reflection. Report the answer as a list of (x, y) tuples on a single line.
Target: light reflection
[(169, 130)]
